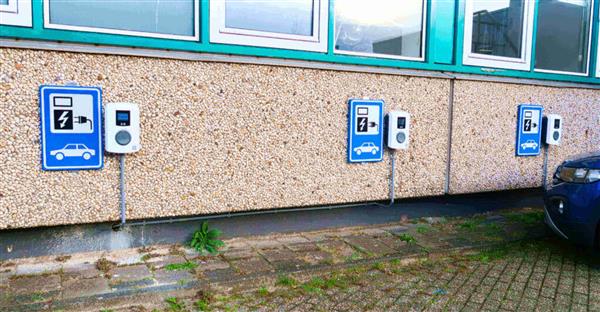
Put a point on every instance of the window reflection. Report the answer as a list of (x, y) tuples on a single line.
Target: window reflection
[(563, 35), (293, 17), (389, 27), (498, 27)]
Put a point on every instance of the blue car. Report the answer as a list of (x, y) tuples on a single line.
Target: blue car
[(572, 202)]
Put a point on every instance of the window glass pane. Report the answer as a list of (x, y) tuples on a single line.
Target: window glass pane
[(294, 17), (174, 17), (4, 2), (390, 27), (498, 27), (563, 35)]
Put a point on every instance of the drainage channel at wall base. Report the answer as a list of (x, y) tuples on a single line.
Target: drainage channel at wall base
[(58, 240)]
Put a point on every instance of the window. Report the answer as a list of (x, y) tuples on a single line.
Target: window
[(382, 28), (172, 19), (498, 33), (290, 24), (563, 36), (598, 54), (15, 12)]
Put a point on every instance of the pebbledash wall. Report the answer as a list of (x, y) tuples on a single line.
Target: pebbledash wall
[(221, 137), (240, 119)]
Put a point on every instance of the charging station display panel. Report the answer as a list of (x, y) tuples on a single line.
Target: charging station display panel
[(71, 127), (529, 130), (365, 131)]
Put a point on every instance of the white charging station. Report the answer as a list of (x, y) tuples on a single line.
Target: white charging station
[(552, 129), (122, 136), (398, 129), (122, 126)]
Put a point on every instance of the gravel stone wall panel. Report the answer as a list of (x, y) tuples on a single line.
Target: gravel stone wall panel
[(215, 138), (484, 133)]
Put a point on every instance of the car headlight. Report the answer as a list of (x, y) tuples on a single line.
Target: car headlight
[(578, 175)]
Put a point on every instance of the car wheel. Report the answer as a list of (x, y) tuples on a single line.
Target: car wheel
[(358, 152), (59, 156), (86, 156), (374, 152)]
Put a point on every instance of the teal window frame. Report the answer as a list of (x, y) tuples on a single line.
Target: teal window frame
[(443, 47)]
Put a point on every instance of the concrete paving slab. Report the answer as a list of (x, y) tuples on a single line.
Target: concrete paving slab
[(252, 265), (35, 284), (75, 288), (165, 277), (369, 245)]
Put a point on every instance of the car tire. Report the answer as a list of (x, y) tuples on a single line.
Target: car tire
[(59, 156), (87, 156), (358, 152), (374, 152)]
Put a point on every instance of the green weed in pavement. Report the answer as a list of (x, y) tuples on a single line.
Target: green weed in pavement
[(284, 280), (528, 218), (407, 238), (188, 265), (174, 304)]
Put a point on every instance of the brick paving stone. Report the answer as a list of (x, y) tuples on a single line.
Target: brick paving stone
[(491, 305), (579, 308), (527, 304), (562, 299), (580, 298), (76, 288)]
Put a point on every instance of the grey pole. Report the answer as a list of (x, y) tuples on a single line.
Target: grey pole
[(393, 177), (122, 187), (545, 173)]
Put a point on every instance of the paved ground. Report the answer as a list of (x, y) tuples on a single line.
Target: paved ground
[(500, 261)]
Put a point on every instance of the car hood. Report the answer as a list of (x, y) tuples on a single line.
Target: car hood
[(588, 160)]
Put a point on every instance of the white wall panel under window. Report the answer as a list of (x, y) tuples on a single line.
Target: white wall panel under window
[(15, 12), (289, 24), (174, 19)]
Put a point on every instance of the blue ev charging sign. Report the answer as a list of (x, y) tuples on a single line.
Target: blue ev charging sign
[(71, 127), (365, 131), (529, 130)]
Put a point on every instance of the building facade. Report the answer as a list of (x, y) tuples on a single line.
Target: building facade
[(244, 103)]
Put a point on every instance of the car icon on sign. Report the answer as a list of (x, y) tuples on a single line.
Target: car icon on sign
[(529, 144), (73, 150), (367, 147)]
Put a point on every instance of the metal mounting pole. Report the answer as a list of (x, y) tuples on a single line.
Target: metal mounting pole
[(393, 177), (119, 226), (545, 173)]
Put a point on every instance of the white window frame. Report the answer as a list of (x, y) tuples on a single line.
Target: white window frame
[(16, 13), (485, 60), (219, 33), (388, 56), (587, 68), (195, 37)]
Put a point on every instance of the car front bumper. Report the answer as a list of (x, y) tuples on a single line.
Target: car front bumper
[(580, 213)]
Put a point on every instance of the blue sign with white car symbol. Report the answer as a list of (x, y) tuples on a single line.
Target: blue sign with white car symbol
[(365, 131), (529, 130), (71, 127)]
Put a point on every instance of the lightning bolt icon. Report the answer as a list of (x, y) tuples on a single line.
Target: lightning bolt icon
[(363, 123), (63, 119)]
